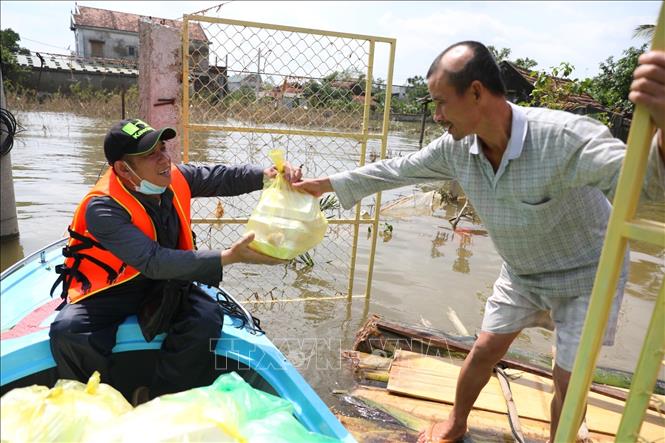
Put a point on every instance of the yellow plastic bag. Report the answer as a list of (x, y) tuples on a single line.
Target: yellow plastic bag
[(286, 222), (67, 412)]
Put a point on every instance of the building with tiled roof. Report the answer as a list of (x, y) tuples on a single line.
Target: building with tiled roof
[(102, 33), (61, 62), (59, 73), (520, 82)]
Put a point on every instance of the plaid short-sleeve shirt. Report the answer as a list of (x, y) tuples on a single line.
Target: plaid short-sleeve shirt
[(546, 207)]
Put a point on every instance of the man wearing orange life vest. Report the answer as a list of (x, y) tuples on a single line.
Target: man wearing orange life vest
[(129, 235)]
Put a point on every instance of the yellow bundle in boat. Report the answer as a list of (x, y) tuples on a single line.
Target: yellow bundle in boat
[(286, 222), (230, 410), (66, 412)]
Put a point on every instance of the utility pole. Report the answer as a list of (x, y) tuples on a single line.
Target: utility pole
[(8, 219)]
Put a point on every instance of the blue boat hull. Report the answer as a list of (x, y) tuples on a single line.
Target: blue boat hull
[(27, 311)]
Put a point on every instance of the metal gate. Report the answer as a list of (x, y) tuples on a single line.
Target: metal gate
[(251, 87)]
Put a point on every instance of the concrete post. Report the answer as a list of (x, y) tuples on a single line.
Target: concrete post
[(160, 79), (8, 220)]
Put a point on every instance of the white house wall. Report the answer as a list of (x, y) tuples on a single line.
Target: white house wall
[(115, 43)]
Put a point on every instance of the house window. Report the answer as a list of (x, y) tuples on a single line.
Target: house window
[(96, 48), (131, 51)]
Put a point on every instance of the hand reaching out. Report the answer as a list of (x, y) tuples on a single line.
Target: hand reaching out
[(314, 186), (240, 252)]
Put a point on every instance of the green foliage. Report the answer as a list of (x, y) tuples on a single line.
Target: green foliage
[(553, 90), (404, 106), (88, 93), (525, 63), (379, 93), (503, 54), (416, 88), (243, 95), (644, 31), (9, 40), (499, 54), (329, 94), (612, 85), (9, 47)]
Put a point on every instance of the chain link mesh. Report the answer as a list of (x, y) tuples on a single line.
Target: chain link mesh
[(260, 77), (260, 89)]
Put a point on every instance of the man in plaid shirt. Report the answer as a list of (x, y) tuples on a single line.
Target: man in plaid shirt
[(541, 181)]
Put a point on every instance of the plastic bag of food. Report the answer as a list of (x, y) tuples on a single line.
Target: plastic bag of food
[(286, 222), (229, 410), (64, 413)]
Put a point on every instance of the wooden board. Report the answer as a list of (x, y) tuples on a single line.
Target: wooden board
[(483, 426), (435, 378), (367, 431)]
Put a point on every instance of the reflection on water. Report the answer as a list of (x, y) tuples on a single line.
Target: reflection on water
[(12, 251), (422, 268)]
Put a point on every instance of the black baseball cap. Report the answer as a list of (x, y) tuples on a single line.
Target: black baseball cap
[(133, 137)]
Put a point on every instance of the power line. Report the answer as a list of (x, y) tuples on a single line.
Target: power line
[(42, 43)]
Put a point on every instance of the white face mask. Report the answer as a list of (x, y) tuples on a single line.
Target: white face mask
[(146, 187)]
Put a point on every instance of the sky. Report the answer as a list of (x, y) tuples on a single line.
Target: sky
[(581, 33)]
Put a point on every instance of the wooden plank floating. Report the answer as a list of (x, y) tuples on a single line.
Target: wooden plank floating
[(382, 336), (434, 378), (483, 426)]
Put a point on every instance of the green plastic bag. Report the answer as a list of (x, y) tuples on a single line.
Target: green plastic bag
[(286, 222), (64, 413), (229, 410)]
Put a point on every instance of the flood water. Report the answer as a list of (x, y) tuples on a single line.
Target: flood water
[(421, 272)]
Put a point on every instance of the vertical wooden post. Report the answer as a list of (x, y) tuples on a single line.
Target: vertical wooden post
[(422, 125), (122, 104)]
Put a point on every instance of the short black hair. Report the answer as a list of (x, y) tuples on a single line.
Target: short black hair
[(481, 66)]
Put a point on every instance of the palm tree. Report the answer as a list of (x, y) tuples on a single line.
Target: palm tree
[(644, 31)]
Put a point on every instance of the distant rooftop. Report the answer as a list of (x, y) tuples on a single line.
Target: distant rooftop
[(122, 21), (574, 101), (63, 62)]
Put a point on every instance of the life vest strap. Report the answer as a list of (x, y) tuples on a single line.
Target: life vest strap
[(84, 239), (68, 273)]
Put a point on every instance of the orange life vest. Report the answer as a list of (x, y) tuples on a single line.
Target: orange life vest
[(89, 267)]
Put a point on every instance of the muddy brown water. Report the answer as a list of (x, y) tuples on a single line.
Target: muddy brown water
[(421, 272)]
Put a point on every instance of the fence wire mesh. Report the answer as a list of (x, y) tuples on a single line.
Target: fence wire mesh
[(252, 88)]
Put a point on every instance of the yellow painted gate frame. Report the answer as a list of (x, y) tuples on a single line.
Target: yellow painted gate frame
[(361, 137), (622, 227)]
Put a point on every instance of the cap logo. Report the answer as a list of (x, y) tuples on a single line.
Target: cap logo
[(136, 128)]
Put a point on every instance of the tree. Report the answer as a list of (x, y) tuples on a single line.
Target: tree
[(503, 54), (645, 31), (417, 87), (499, 55), (525, 63), (612, 85), (9, 47)]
